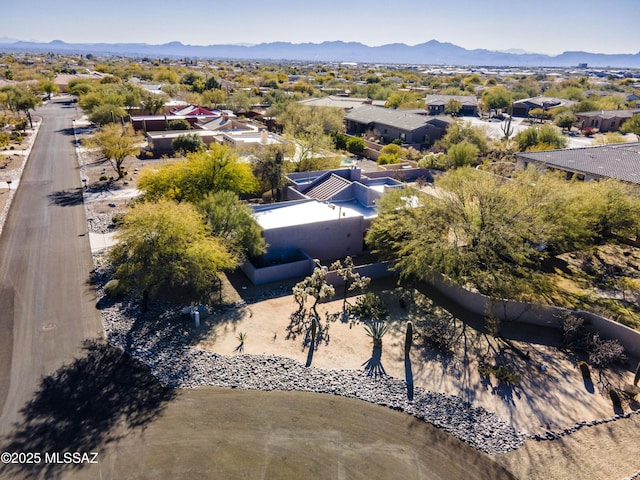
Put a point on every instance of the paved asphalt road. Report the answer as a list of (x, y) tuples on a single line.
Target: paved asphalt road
[(47, 307)]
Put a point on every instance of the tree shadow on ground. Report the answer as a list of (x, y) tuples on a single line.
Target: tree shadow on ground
[(373, 367), (301, 325), (67, 198), (83, 407)]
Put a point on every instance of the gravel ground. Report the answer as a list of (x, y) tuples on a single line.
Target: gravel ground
[(163, 340)]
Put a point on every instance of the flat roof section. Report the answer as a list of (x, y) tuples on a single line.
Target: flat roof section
[(307, 212)]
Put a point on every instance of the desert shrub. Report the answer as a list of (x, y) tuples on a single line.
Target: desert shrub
[(179, 124), (504, 373), (188, 143), (438, 161), (103, 178), (117, 218), (573, 332), (114, 289), (339, 140), (355, 145), (438, 329), (369, 307), (5, 138), (603, 353)]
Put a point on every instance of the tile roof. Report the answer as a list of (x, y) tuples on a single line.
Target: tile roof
[(443, 99), (327, 188), (606, 114), (546, 102), (619, 161), (387, 116)]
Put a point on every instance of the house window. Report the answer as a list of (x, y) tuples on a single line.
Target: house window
[(426, 138), (403, 137)]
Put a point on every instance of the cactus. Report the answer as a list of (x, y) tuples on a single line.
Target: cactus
[(408, 339), (615, 398), (584, 368)]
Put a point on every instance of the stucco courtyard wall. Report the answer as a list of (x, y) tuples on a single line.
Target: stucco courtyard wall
[(536, 314)]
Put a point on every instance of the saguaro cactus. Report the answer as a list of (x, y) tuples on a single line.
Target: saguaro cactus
[(408, 339)]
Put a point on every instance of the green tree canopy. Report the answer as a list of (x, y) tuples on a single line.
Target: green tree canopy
[(116, 142), (495, 98), (233, 222), (453, 106), (632, 125), (459, 132), (188, 143), (480, 232), (200, 173), (107, 113), (179, 124), (463, 154), (565, 121), (544, 137), (166, 245)]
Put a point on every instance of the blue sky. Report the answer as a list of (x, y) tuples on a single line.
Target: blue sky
[(540, 26)]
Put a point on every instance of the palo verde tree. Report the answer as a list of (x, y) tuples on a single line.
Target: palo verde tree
[(19, 99), (167, 246), (544, 137), (232, 221), (116, 143), (632, 125), (481, 232), (218, 168)]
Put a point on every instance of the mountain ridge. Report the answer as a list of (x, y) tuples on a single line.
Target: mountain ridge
[(431, 52)]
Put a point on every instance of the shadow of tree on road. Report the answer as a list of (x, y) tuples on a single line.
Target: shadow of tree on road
[(67, 198), (84, 406)]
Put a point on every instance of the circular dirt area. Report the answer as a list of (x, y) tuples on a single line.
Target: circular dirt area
[(218, 433)]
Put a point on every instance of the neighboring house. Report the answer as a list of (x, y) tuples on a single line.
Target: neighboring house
[(243, 140), (162, 141), (157, 123), (194, 110), (346, 103), (604, 120), (436, 104), (629, 97), (522, 107), (418, 131), (620, 161), (62, 80)]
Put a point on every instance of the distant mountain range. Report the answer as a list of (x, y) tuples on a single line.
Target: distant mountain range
[(429, 53)]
